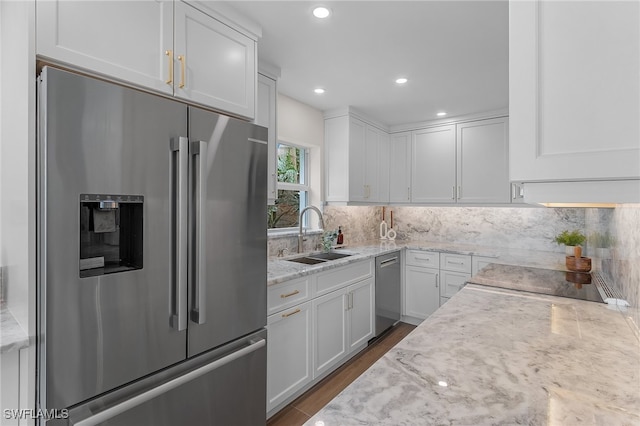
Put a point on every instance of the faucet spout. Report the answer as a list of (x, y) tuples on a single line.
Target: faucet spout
[(300, 235)]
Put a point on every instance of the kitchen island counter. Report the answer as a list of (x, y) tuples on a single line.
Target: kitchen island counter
[(496, 356)]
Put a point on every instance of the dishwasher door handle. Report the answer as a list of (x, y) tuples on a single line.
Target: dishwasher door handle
[(389, 262)]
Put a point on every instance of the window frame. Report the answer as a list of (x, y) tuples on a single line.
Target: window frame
[(302, 187)]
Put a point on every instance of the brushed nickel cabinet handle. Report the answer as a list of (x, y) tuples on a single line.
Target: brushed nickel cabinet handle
[(291, 313), (293, 293)]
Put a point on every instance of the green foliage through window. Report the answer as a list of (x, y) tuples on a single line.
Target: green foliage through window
[(292, 190)]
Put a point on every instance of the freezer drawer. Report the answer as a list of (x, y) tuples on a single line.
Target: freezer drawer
[(226, 386)]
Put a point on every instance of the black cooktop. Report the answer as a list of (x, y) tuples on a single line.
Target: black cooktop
[(542, 281)]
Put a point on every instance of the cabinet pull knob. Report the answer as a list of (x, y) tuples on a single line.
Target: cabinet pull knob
[(169, 53), (408, 193), (437, 279), (182, 60), (293, 293), (455, 263), (291, 313), (453, 192)]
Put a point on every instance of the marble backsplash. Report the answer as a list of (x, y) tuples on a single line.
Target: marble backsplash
[(613, 235), (521, 228), (614, 239)]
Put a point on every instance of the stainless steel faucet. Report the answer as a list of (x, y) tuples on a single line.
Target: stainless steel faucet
[(300, 236)]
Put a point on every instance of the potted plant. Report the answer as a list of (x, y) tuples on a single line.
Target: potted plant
[(573, 241)]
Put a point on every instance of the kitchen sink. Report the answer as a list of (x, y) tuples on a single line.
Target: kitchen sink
[(314, 258)]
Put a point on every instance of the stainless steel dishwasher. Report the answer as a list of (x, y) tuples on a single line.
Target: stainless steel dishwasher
[(387, 291)]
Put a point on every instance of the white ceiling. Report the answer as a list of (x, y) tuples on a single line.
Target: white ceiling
[(454, 53)]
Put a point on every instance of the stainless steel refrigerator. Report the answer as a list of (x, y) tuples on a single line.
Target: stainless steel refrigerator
[(151, 259)]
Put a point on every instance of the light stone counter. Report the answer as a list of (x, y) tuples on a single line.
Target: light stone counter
[(501, 357), (279, 269), (12, 336)]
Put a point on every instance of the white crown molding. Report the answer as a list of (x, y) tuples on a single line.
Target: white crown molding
[(351, 111), (449, 120)]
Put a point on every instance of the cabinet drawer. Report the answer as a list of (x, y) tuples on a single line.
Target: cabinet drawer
[(428, 259), (479, 262), (334, 279), (452, 282), (287, 294), (455, 262)]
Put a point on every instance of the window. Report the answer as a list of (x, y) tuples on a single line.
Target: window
[(293, 187)]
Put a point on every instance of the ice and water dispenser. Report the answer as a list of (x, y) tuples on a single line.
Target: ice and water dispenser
[(110, 233)]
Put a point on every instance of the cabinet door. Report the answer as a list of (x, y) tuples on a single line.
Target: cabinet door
[(125, 40), (289, 355), (574, 90), (376, 164), (330, 327), (336, 164), (422, 296), (266, 116), (360, 302), (400, 168), (452, 282), (433, 165), (483, 161), (215, 64), (358, 152)]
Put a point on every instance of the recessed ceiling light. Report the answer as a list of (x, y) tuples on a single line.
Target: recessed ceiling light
[(319, 90), (443, 383), (401, 80), (321, 12), (442, 114)]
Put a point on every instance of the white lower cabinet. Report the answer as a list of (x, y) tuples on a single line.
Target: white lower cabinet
[(479, 262), (344, 322), (289, 353), (431, 278), (361, 315), (316, 323), (330, 330), (422, 296), (455, 271), (451, 283)]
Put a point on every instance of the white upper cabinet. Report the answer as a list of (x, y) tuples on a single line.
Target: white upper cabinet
[(356, 161), (216, 64), (400, 168), (187, 54), (574, 91), (483, 161), (433, 165), (266, 115), (124, 40)]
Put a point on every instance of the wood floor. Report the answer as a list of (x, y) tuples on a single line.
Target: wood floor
[(309, 403)]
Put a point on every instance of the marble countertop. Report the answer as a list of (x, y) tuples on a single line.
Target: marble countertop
[(279, 269), (12, 336), (502, 357)]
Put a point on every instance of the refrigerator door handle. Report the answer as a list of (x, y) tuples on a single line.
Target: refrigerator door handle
[(172, 384), (181, 203), (198, 314)]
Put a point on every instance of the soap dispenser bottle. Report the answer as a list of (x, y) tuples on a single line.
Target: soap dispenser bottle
[(340, 236)]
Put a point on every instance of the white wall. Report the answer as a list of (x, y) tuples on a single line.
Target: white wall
[(17, 159), (17, 177), (303, 125)]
